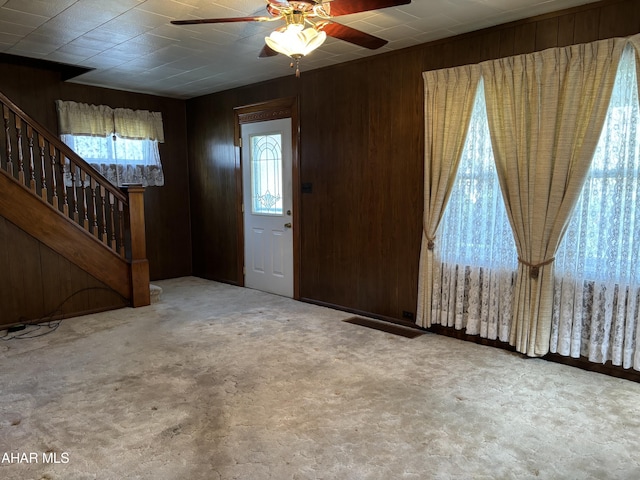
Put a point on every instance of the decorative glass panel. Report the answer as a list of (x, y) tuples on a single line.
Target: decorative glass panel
[(266, 174)]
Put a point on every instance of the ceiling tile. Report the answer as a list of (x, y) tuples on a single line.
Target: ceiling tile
[(21, 18), (39, 7), (132, 45)]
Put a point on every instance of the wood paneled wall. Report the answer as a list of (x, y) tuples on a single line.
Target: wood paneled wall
[(167, 213), (212, 170), (362, 148), (39, 284)]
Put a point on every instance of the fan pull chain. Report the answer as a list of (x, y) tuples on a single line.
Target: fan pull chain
[(297, 65)]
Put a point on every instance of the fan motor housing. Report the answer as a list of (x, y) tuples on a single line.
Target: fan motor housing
[(306, 9)]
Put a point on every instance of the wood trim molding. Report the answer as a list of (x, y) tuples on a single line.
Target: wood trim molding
[(271, 110), (264, 115), (263, 111)]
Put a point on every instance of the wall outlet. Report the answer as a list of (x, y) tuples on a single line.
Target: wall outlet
[(407, 315)]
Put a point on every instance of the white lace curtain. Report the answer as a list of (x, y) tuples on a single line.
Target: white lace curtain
[(122, 144), (541, 175), (476, 260), (597, 285)]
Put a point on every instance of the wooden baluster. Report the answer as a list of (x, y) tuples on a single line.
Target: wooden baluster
[(3, 160), (121, 223), (54, 176), (114, 246), (65, 194), (103, 231), (83, 190), (74, 191), (18, 121), (94, 199), (32, 164), (43, 168), (7, 133)]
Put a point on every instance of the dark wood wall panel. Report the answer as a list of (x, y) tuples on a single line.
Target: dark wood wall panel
[(362, 148), (524, 39), (507, 42), (566, 29), (40, 285), (492, 44), (587, 25), (213, 191), (339, 169), (619, 19), (167, 213), (212, 169), (547, 32)]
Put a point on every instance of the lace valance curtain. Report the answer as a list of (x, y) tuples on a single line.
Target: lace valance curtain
[(83, 119), (138, 124), (100, 120), (122, 144)]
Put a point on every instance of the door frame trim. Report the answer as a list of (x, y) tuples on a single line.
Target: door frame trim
[(260, 112)]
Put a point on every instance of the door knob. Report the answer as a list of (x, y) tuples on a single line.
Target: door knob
[(287, 225)]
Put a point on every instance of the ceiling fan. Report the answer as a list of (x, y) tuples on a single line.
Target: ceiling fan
[(307, 24)]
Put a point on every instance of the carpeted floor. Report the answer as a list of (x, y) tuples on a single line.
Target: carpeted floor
[(218, 382)]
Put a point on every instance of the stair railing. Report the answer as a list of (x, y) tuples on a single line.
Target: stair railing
[(42, 163)]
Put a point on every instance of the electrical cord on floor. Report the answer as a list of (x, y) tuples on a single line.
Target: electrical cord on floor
[(27, 330)]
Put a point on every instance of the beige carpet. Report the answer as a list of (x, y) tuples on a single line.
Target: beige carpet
[(218, 382)]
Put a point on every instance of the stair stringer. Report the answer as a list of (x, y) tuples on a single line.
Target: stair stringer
[(61, 234)]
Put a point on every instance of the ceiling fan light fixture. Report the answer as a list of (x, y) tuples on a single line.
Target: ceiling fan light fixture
[(295, 41)]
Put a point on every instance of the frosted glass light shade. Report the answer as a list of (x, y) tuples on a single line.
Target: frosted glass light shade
[(295, 41)]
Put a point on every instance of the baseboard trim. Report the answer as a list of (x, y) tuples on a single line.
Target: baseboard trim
[(62, 316), (218, 279), (362, 313), (581, 363)]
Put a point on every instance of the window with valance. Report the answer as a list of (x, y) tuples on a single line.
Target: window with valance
[(122, 144)]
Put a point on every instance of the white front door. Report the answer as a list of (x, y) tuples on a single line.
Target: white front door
[(267, 200)]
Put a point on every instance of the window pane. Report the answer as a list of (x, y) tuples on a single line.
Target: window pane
[(603, 238), (475, 229), (266, 174), (107, 150), (91, 149), (130, 151)]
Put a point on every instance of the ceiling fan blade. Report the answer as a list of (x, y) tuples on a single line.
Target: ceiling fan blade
[(267, 51), (345, 7), (221, 20), (352, 35)]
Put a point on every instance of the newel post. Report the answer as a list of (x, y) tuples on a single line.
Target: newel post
[(140, 293)]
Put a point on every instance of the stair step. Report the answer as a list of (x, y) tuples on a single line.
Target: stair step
[(156, 292)]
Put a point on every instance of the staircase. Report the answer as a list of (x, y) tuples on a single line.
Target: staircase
[(56, 197)]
